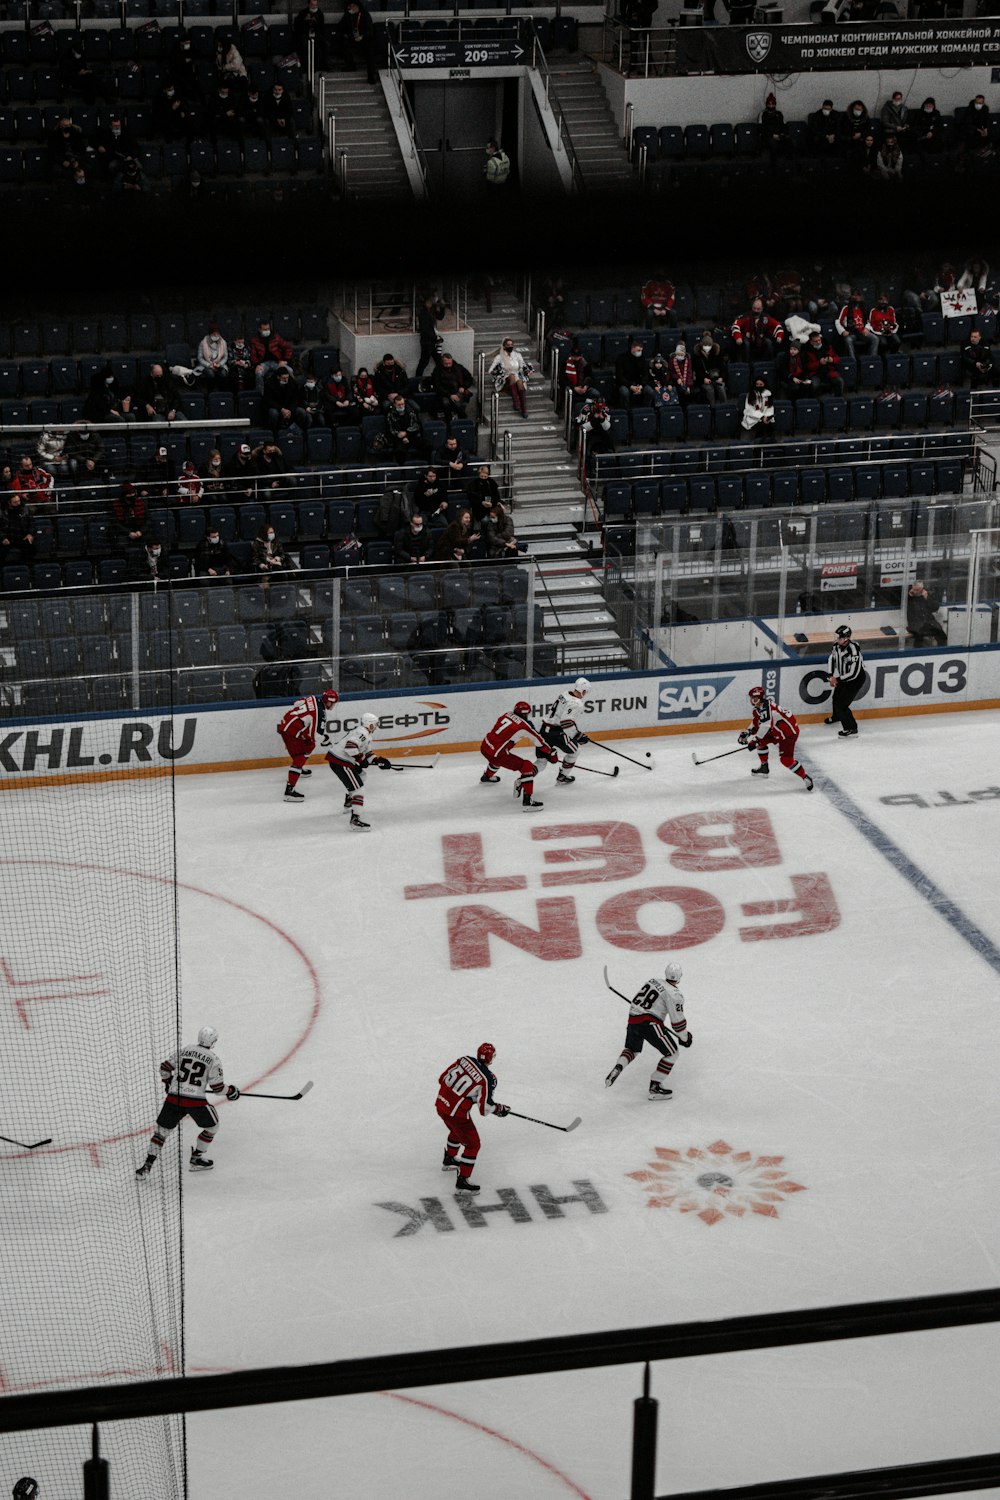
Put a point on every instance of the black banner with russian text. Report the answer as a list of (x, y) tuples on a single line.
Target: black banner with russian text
[(804, 49)]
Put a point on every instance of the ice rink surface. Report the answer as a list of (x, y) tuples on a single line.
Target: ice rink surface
[(833, 1135)]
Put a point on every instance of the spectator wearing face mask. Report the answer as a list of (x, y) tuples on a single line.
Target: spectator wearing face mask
[(150, 562), (268, 554), (632, 377), (852, 325), (823, 128), (883, 324), (268, 350), (311, 403), (758, 411), (213, 558), (710, 369)]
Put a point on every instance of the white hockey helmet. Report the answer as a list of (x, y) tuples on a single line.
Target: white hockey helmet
[(672, 973), (207, 1037), (369, 722), (581, 686)]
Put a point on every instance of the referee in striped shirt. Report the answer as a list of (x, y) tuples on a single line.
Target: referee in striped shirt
[(847, 678)]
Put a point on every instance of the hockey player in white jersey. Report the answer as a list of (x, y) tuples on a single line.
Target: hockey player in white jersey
[(650, 1009), (189, 1077), (349, 756), (560, 730)]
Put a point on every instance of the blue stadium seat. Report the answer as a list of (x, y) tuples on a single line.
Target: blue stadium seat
[(784, 488), (698, 421), (702, 494), (839, 483), (697, 142), (617, 499), (924, 369), (807, 415), (948, 477), (729, 491), (645, 497), (860, 413), (895, 481), (941, 409), (833, 413), (914, 413), (757, 490), (673, 495), (897, 370), (933, 328), (672, 142), (644, 425), (887, 413), (812, 485)]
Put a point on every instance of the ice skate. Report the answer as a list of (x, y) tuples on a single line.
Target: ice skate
[(563, 780), (348, 804), (463, 1185), (146, 1167), (200, 1163), (809, 783), (449, 1164), (291, 795), (613, 1076), (656, 1091), (305, 771), (830, 720), (763, 770), (489, 775), (847, 734), (530, 804), (357, 822)]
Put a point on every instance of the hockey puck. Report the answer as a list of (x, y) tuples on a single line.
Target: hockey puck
[(648, 755)]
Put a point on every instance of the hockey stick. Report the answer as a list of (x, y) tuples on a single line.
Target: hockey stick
[(571, 1126), (611, 987), (594, 772), (301, 1094), (622, 756), (24, 1144), (721, 756)]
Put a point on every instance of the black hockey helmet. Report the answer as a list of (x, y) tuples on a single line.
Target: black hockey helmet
[(844, 632), (25, 1489)]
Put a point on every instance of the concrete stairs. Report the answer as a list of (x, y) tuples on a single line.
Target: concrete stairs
[(549, 505), (600, 150), (364, 129)]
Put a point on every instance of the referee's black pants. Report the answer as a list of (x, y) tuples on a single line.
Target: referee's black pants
[(844, 695)]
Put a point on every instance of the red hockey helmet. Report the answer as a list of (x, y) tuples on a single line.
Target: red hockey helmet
[(330, 697), (756, 695), (486, 1052), (522, 707)]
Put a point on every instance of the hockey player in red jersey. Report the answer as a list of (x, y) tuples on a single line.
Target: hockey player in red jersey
[(496, 748), (189, 1076), (466, 1085), (349, 757), (304, 722), (772, 725)]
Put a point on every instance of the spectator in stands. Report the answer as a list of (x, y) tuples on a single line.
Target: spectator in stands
[(241, 367), (852, 325), (255, 120), (412, 543), (364, 393), (129, 518), (430, 498), (158, 475), (927, 130), (355, 33), (975, 274), (452, 465), (17, 531), (976, 133), (658, 372), (269, 464), (855, 124), (226, 114), (279, 111), (280, 398), (184, 70), (929, 300), (756, 335), (497, 531), (429, 314), (977, 362), (78, 77), (341, 406), (173, 117), (112, 144), (554, 300), (190, 488), (681, 370), (888, 164), (311, 402), (149, 562), (774, 138), (67, 148), (158, 395), (452, 384), (241, 472), (895, 116), (107, 400), (883, 324), (632, 377), (576, 372), (212, 356), (594, 422), (389, 377), (268, 350), (482, 488), (823, 131), (267, 553), (795, 383), (229, 65), (822, 366), (215, 475), (458, 541), (510, 371), (657, 296), (861, 156), (310, 26), (131, 178), (405, 432), (30, 481), (758, 411), (50, 445), (212, 558), (710, 369), (83, 451), (921, 621)]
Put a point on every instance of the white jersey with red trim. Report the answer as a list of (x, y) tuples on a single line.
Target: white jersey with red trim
[(658, 1001), (506, 729), (191, 1075), (564, 711), (304, 719), (353, 748), (771, 723)]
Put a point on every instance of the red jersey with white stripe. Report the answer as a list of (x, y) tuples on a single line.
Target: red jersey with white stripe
[(467, 1085), (304, 720), (191, 1075), (507, 729), (771, 725)]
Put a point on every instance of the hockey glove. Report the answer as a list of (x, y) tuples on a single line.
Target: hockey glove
[(501, 1110), (550, 755), (232, 1092), (744, 737), (583, 739), (382, 763), (686, 1041)]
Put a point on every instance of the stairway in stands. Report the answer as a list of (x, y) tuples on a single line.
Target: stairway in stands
[(364, 129), (597, 142), (548, 502)]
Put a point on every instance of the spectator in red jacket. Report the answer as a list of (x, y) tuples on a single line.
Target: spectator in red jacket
[(883, 324), (756, 335), (31, 481), (657, 297), (852, 325), (268, 350), (822, 366)]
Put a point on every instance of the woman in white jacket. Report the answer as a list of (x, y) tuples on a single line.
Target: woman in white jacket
[(510, 371)]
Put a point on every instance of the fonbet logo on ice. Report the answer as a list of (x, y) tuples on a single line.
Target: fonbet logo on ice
[(688, 700), (716, 1182)]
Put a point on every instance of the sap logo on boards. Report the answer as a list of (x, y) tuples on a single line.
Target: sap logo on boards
[(688, 700), (471, 1213)]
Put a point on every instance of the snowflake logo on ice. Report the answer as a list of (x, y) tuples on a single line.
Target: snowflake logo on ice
[(716, 1182)]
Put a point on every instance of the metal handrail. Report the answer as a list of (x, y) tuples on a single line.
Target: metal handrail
[(416, 149), (538, 62)]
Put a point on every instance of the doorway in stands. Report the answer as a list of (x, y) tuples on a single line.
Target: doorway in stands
[(455, 119)]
